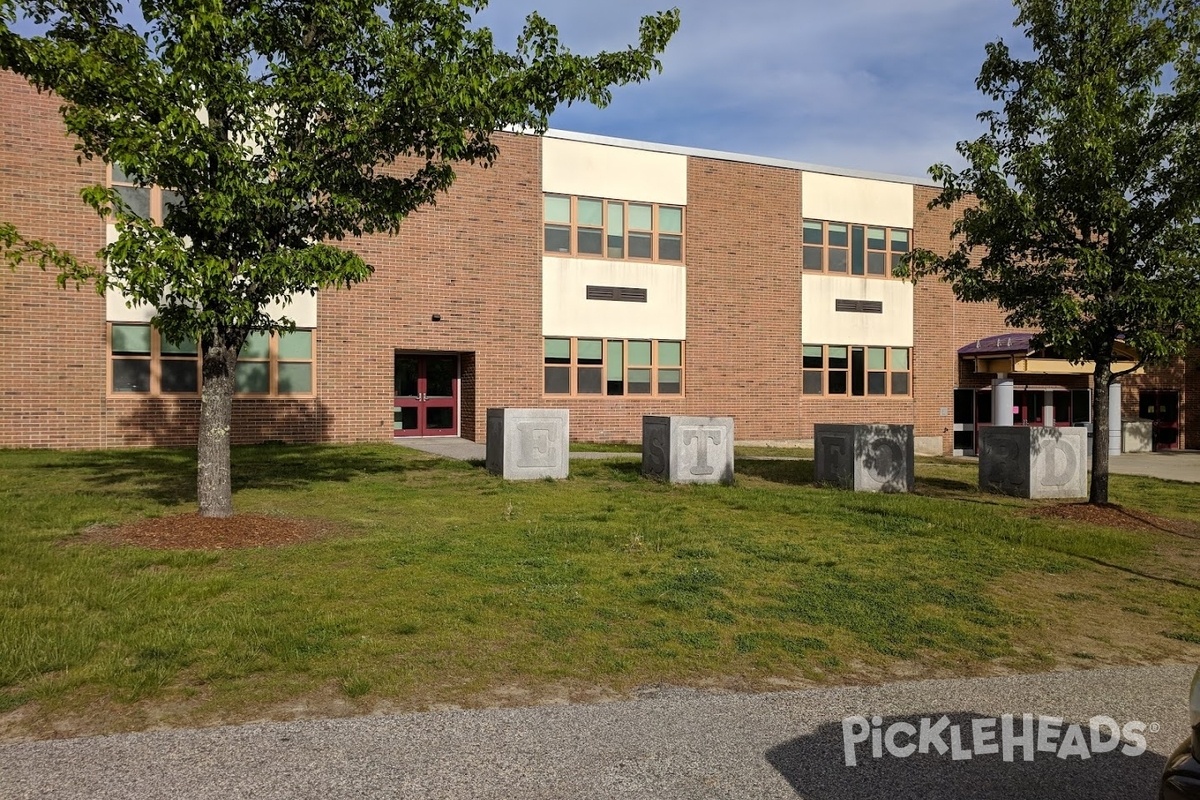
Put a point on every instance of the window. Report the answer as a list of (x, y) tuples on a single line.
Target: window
[(857, 371), (144, 362), (598, 228), (613, 367), (842, 249), (147, 202)]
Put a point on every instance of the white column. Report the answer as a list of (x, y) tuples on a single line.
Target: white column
[(1048, 408), (1002, 401), (1114, 419)]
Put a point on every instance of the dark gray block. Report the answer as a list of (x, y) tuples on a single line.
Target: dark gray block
[(528, 443), (1035, 463), (865, 458), (681, 449)]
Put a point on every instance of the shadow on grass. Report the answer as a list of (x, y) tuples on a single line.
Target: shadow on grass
[(946, 487), (789, 472), (168, 476)]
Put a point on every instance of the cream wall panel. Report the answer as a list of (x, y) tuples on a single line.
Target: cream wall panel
[(821, 324), (619, 173), (867, 202), (566, 311)]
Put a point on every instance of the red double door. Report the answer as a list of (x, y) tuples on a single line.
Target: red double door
[(426, 395)]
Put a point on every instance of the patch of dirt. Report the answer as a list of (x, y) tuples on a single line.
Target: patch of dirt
[(1110, 515), (193, 532)]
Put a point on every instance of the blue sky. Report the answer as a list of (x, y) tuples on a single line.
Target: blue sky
[(883, 85)]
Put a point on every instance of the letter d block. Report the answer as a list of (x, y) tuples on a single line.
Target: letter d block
[(525, 444), (688, 449), (865, 458), (1034, 463)]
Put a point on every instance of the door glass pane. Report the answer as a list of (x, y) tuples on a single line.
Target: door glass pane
[(670, 219), (814, 233), (295, 378), (639, 381), (639, 217), (670, 381), (406, 376), (639, 353), (591, 213), (258, 345), (1081, 405), (670, 354), (557, 208), (439, 419), (251, 378), (404, 419), (440, 372), (130, 339), (295, 346), (180, 375), (964, 406), (131, 375)]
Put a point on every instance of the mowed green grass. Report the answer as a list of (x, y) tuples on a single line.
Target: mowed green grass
[(440, 583)]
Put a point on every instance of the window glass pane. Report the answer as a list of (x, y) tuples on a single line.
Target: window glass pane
[(616, 219), (900, 358), (591, 213), (896, 258), (130, 339), (558, 380), (296, 345), (639, 354), (670, 248), (180, 375), (964, 440), (837, 358), (670, 219), (837, 382), (639, 245), (900, 383), (639, 381), (616, 246), (876, 383), (669, 354), (814, 233), (405, 419), (814, 357), (670, 381), (558, 239), (640, 216), (557, 208), (137, 199), (876, 263), (591, 351), (588, 380), (258, 345), (838, 260), (857, 375), (1081, 405), (558, 351), (185, 347), (295, 378), (251, 377), (900, 241), (616, 361), (590, 240), (813, 382), (170, 200), (856, 250), (838, 236), (131, 375), (814, 257), (876, 240), (118, 173), (876, 358)]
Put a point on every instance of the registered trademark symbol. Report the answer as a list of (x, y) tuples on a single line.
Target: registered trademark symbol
[(1154, 727)]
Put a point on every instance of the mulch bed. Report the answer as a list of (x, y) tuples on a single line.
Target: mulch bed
[(1110, 515), (193, 532)]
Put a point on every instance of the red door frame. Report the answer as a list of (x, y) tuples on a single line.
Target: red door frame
[(421, 401)]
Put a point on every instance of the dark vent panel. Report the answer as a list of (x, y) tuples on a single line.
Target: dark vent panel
[(621, 294), (859, 306)]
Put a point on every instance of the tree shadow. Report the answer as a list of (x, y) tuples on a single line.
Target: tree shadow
[(785, 471), (816, 767)]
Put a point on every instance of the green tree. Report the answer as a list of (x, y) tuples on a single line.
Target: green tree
[(283, 127), (1077, 210)]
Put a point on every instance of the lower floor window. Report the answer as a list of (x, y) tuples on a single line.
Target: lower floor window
[(613, 367), (143, 361), (857, 371)]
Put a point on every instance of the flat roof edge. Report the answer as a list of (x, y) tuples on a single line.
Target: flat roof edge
[(721, 155)]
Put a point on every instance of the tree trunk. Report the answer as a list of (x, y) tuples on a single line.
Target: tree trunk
[(213, 485), (1101, 383)]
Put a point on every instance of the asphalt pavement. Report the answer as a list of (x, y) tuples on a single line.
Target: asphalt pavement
[(668, 743)]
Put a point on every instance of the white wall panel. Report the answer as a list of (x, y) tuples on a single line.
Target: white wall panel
[(867, 202), (820, 323), (566, 311), (618, 173)]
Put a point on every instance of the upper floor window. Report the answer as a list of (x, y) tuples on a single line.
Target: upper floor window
[(857, 371), (147, 202), (839, 248), (592, 227)]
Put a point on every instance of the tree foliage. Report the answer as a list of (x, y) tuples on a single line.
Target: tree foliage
[(1080, 205), (284, 128)]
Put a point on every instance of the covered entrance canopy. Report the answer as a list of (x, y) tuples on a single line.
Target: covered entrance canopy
[(1013, 353)]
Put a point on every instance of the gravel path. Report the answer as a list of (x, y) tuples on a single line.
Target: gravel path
[(669, 744)]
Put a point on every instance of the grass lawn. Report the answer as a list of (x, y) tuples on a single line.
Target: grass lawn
[(440, 584)]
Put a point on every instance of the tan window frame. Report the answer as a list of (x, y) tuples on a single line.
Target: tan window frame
[(655, 368), (608, 249), (823, 257), (808, 386)]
